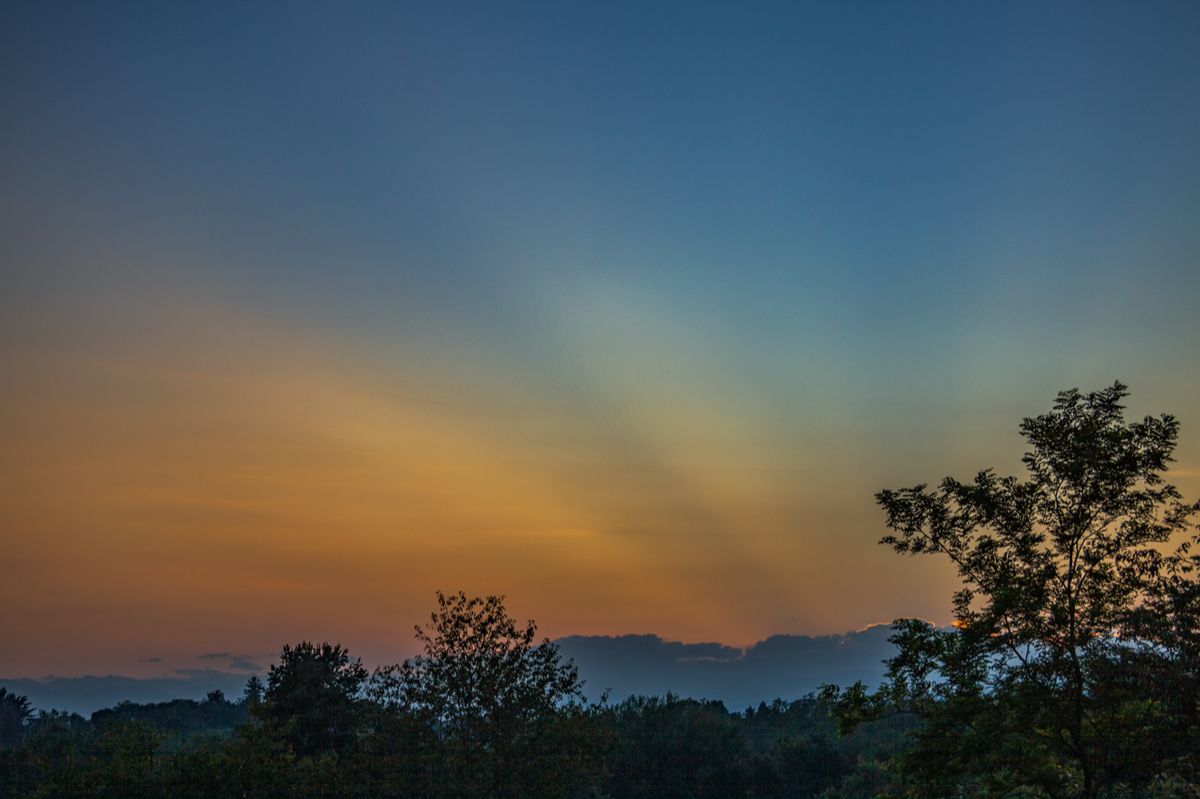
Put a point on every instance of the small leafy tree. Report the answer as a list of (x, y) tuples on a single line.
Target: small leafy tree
[(1052, 680), (311, 697), (252, 694), (503, 705)]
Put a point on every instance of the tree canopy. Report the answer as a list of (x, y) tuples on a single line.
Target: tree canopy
[(15, 714), (1070, 670), (311, 695), (503, 703)]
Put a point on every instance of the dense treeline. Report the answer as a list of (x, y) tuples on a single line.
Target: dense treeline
[(485, 712), (644, 747)]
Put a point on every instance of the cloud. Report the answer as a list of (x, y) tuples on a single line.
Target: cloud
[(204, 674), (155, 659), (782, 666), (247, 662)]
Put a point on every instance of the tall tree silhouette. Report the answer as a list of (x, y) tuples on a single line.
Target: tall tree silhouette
[(504, 704), (1047, 682)]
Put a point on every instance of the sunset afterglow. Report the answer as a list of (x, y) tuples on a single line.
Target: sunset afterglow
[(625, 314)]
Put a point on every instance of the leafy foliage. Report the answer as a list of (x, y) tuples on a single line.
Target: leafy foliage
[(1071, 667), (311, 696), (485, 711), (505, 707), (15, 714)]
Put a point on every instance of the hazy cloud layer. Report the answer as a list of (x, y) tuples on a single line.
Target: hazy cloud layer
[(87, 694), (782, 666), (233, 661)]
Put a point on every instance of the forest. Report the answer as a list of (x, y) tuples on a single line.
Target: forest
[(1070, 670), (485, 711)]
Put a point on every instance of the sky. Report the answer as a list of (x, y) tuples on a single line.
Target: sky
[(623, 311)]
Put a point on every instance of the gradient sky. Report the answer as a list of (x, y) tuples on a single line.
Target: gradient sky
[(623, 311)]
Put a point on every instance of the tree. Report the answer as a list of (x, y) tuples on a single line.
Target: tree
[(252, 694), (15, 714), (1051, 681), (311, 696), (503, 706)]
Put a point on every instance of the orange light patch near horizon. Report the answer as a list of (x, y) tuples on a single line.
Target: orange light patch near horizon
[(216, 484)]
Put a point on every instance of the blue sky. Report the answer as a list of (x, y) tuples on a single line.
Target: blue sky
[(679, 284)]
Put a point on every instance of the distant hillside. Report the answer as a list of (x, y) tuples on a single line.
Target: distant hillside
[(782, 666), (85, 695)]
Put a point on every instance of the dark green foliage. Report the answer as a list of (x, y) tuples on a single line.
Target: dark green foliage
[(15, 713), (311, 697), (676, 748), (51, 760), (1071, 670), (123, 761), (485, 711), (253, 693), (504, 709), (797, 751), (642, 747), (179, 719)]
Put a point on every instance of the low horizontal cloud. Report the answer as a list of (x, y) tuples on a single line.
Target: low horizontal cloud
[(782, 666), (248, 662)]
